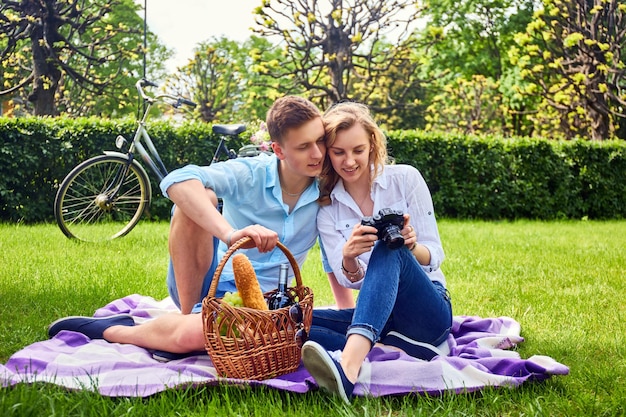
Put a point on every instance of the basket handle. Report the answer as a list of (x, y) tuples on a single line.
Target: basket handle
[(238, 244)]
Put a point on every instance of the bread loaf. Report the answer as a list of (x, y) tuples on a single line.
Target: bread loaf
[(247, 283)]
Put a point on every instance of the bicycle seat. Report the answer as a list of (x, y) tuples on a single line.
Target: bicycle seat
[(231, 130)]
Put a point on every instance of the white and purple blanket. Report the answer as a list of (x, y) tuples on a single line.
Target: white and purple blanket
[(479, 358)]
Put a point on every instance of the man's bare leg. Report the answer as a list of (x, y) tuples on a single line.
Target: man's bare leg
[(174, 332), (191, 252), (344, 297)]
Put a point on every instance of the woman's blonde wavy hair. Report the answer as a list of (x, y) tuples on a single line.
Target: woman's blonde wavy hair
[(343, 116)]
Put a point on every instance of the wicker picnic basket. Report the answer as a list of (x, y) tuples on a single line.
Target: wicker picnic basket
[(252, 344)]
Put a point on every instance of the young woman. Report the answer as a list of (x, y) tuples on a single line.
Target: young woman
[(403, 301)]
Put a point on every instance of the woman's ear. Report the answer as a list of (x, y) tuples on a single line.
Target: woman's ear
[(278, 150)]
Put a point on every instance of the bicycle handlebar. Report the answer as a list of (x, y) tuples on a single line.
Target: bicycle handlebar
[(178, 100), (187, 102)]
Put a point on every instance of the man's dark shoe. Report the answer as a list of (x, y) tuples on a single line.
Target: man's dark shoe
[(92, 327), (164, 356), (327, 372)]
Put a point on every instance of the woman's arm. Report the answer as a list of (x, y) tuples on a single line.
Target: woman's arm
[(429, 250)]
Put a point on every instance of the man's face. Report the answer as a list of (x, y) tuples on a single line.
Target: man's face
[(303, 149)]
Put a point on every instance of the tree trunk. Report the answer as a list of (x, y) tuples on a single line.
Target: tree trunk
[(46, 77), (600, 125)]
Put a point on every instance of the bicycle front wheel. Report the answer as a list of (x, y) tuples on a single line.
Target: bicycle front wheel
[(102, 198)]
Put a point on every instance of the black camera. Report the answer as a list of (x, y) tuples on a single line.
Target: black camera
[(388, 223)]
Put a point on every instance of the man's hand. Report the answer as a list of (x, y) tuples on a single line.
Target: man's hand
[(263, 239)]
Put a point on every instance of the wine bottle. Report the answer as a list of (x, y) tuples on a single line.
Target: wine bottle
[(281, 297)]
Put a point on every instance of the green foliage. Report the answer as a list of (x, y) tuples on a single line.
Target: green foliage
[(570, 57), (495, 178), (212, 78), (261, 89), (229, 81), (469, 176), (471, 106), (351, 49), (468, 57), (473, 36), (37, 153), (74, 57), (532, 271)]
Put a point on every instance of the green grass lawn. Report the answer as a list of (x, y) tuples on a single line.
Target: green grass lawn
[(563, 281)]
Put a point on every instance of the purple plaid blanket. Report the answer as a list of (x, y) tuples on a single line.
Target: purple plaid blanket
[(480, 357)]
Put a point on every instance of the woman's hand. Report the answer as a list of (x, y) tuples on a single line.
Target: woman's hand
[(408, 233), (361, 240), (421, 252)]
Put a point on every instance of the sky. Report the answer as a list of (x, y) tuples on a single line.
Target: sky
[(182, 24)]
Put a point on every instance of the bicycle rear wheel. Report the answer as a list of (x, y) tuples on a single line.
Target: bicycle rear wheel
[(97, 202)]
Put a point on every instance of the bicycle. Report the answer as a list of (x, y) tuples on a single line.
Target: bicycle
[(104, 197)]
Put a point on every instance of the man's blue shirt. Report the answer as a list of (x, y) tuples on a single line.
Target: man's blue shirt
[(251, 193)]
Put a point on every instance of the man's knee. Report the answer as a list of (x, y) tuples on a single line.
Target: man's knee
[(189, 335)]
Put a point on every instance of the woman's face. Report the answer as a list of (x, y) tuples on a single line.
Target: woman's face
[(350, 154)]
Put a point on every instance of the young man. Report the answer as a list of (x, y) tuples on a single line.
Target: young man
[(268, 198)]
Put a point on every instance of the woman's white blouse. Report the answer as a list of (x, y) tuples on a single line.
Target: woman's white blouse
[(400, 187)]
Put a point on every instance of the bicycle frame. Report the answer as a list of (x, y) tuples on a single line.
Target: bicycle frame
[(150, 155), (221, 148), (113, 190)]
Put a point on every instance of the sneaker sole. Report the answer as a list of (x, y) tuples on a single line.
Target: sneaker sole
[(322, 368), (408, 345)]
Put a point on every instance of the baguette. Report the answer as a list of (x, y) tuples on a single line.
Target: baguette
[(247, 283)]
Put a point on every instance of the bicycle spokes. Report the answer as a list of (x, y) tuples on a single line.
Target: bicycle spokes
[(106, 192)]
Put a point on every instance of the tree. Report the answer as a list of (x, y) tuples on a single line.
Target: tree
[(474, 36), (229, 80), (54, 50), (470, 43), (467, 107), (571, 57), (261, 88), (333, 48), (212, 78)]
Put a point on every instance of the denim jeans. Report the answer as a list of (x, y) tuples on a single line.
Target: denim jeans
[(396, 295)]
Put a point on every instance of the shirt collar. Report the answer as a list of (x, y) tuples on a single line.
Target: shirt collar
[(312, 192), (340, 194), (271, 170)]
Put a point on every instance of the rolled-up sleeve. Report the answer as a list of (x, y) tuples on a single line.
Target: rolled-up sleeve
[(420, 207), (189, 172), (333, 241), (400, 187)]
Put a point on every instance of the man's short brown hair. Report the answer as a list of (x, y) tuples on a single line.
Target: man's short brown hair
[(289, 112)]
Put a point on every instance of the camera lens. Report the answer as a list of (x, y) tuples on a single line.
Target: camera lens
[(393, 238)]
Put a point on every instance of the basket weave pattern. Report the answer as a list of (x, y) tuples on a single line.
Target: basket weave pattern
[(252, 344)]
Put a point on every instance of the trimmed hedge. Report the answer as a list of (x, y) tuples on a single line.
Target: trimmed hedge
[(37, 153), (469, 177), (494, 178)]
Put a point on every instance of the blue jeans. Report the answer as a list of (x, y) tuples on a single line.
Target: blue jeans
[(396, 295)]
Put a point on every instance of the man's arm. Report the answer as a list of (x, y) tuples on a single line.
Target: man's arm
[(191, 197)]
